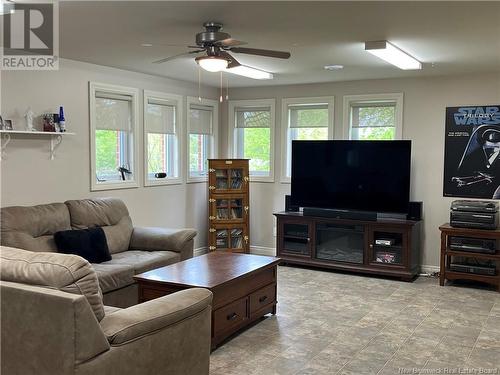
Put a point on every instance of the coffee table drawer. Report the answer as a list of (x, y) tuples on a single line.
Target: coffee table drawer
[(243, 287), (231, 315), (262, 297)]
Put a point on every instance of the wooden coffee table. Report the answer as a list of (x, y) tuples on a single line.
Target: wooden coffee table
[(243, 285)]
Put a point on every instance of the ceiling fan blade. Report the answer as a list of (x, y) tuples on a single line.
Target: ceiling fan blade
[(177, 56), (261, 52), (233, 63), (230, 42), (160, 44)]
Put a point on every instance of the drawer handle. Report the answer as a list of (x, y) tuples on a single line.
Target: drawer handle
[(232, 316), (262, 299)]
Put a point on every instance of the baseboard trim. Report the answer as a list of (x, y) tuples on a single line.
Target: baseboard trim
[(262, 250), (271, 251), (258, 250), (429, 269), (200, 251)]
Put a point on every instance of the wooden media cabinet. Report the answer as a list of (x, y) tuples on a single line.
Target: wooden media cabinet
[(350, 245)]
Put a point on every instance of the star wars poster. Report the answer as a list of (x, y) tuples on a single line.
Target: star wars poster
[(472, 152)]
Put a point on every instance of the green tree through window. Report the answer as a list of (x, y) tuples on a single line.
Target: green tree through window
[(373, 122), (257, 147), (107, 152)]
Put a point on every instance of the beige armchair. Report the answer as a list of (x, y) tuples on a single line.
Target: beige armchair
[(63, 328)]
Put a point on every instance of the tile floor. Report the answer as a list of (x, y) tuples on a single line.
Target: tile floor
[(333, 323)]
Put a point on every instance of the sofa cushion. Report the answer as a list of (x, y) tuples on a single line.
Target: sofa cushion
[(90, 244), (32, 228), (143, 261), (68, 273), (113, 276), (109, 213)]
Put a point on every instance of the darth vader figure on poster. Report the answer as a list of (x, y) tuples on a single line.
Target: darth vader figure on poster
[(472, 152)]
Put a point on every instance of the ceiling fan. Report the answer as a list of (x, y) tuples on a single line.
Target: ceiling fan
[(216, 46)]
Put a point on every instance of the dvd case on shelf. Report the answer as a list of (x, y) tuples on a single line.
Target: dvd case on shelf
[(236, 178), (221, 183), (237, 238), (222, 214)]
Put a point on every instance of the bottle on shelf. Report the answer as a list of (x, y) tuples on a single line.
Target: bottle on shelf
[(62, 120)]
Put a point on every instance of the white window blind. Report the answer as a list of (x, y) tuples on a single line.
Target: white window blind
[(257, 117), (113, 111), (380, 114), (160, 117), (308, 115), (200, 119)]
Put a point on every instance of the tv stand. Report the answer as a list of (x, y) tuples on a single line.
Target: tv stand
[(384, 247), (340, 214)]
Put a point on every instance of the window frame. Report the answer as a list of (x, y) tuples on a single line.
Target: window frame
[(134, 151), (214, 137), (177, 101), (233, 138), (285, 103), (397, 98)]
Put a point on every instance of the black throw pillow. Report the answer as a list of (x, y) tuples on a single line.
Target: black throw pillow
[(88, 243)]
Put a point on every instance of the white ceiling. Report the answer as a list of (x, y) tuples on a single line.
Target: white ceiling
[(448, 37)]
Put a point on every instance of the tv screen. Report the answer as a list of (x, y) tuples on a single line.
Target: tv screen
[(357, 175)]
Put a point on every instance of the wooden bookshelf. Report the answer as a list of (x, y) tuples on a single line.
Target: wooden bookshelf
[(228, 205)]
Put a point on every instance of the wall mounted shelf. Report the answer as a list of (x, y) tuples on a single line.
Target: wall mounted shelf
[(55, 139)]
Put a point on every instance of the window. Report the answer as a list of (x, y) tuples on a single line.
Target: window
[(374, 117), (202, 134), (304, 119), (253, 135), (162, 119), (113, 127)]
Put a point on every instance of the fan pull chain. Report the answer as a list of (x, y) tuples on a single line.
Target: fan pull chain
[(227, 87), (221, 88), (199, 84)]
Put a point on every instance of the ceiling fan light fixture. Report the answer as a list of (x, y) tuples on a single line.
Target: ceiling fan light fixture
[(249, 72), (393, 55), (6, 7), (212, 63)]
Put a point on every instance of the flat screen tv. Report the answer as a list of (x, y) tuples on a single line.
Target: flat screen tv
[(356, 175)]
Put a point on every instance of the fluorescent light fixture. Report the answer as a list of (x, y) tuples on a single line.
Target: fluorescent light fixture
[(334, 67), (393, 55), (249, 72), (212, 63), (6, 7)]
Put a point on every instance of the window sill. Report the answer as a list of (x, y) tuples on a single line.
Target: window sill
[(99, 186), (261, 179), (194, 180), (162, 182)]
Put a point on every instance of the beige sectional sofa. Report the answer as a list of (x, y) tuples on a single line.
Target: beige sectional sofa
[(62, 315), (133, 249), (54, 322)]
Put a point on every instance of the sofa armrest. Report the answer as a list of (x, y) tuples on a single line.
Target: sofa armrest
[(146, 318), (154, 238)]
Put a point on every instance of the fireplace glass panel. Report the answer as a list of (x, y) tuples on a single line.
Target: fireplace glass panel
[(340, 243)]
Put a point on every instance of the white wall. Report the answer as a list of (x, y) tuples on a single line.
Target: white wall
[(425, 100), (29, 177)]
